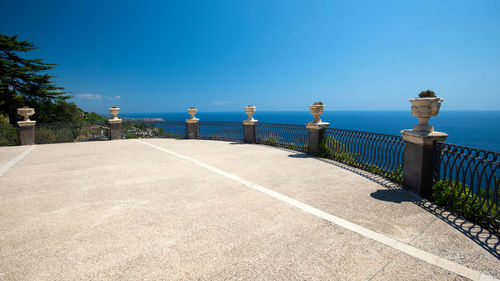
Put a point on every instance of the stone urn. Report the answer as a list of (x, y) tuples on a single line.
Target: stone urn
[(250, 110), (192, 111), (26, 112), (424, 108), (316, 110), (114, 111)]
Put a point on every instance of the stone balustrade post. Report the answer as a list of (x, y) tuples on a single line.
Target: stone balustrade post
[(115, 124), (250, 126), (192, 124), (419, 160), (419, 163), (316, 128), (27, 126)]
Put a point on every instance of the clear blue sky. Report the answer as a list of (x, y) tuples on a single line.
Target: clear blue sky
[(159, 56)]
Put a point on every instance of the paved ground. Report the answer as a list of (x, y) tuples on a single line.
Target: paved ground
[(188, 209)]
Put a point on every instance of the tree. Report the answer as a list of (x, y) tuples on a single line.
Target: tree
[(93, 117), (58, 112), (24, 81)]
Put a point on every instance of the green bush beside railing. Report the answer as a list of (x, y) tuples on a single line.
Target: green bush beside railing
[(460, 199), (333, 149), (9, 135), (59, 133), (467, 182)]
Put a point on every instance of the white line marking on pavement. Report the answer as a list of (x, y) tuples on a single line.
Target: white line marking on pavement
[(14, 160), (381, 238)]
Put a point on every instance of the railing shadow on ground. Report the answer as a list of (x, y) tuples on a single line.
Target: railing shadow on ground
[(395, 193)]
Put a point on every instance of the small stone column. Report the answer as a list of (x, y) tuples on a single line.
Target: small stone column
[(192, 124), (419, 160), (115, 124), (419, 146), (249, 125), (316, 128), (27, 126)]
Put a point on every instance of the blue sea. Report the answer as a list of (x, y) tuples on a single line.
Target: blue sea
[(478, 129)]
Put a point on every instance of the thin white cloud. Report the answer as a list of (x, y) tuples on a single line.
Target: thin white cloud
[(221, 102), (96, 97), (89, 96)]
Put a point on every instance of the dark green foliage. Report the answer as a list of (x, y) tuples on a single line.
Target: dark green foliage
[(325, 147), (64, 112), (460, 199), (272, 141), (57, 133), (46, 135), (336, 150), (23, 81), (9, 135), (427, 94), (93, 117), (58, 112)]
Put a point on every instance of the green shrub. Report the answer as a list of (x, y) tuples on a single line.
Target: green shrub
[(336, 150), (9, 135), (272, 141), (44, 135), (460, 199)]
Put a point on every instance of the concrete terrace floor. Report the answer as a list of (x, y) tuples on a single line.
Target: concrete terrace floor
[(162, 209)]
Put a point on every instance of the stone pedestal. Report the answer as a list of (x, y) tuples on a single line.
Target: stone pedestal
[(315, 133), (419, 160), (27, 132), (192, 128), (250, 131), (115, 126)]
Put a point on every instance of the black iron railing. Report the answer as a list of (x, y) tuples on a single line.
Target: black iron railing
[(287, 136), (9, 135), (380, 154), (467, 181), (225, 131), (153, 129), (67, 132)]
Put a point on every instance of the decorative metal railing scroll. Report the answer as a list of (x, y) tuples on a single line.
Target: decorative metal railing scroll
[(380, 154), (467, 180), (225, 131), (287, 136), (68, 132)]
